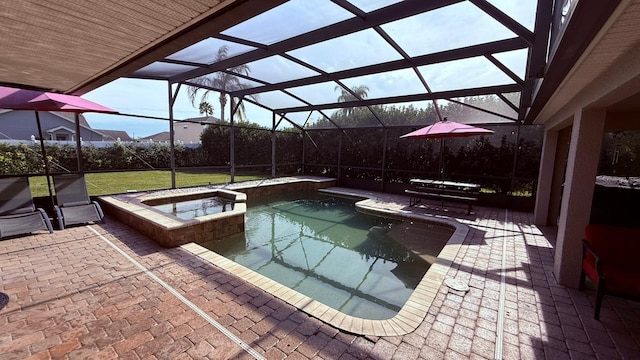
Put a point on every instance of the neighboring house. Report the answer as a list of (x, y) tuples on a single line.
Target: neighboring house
[(115, 135), (185, 132), (159, 137), (22, 125)]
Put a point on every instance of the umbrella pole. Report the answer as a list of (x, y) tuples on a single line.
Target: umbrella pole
[(440, 170), (78, 143), (44, 157)]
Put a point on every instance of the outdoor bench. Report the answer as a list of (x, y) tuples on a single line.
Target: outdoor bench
[(610, 260), (467, 197)]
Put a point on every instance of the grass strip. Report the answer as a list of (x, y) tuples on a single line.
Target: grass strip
[(120, 182)]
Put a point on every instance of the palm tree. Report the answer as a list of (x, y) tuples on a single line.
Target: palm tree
[(223, 81), (205, 108), (360, 91)]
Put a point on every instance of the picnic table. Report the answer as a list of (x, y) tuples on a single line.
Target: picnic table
[(443, 190)]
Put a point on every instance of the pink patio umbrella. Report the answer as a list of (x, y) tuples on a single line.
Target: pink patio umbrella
[(22, 99), (446, 129)]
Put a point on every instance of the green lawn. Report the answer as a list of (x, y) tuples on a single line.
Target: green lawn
[(119, 182)]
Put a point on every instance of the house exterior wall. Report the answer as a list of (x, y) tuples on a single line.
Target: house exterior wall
[(62, 133), (605, 80), (20, 125), (577, 197), (95, 144), (183, 133), (188, 132)]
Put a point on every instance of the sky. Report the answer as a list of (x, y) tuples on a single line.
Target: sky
[(147, 98), (436, 31)]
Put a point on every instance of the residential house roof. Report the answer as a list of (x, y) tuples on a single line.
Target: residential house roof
[(72, 117), (113, 135)]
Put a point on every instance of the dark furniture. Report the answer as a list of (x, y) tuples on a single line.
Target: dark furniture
[(444, 191), (18, 215), (74, 205), (610, 260)]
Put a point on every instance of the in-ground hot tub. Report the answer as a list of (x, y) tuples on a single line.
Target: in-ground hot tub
[(173, 218), (191, 209)]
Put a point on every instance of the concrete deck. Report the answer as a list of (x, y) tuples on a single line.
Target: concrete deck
[(105, 291)]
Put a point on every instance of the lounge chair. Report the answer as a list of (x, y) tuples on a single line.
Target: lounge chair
[(73, 203), (18, 214)]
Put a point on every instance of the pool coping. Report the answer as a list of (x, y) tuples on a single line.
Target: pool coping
[(143, 202), (410, 316), (136, 209)]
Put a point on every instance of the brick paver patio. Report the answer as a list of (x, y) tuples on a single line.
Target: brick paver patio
[(73, 295)]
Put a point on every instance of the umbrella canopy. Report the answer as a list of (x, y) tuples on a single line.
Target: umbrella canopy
[(446, 129), (22, 99)]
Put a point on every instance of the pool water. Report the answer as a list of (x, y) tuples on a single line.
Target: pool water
[(195, 208), (323, 248)]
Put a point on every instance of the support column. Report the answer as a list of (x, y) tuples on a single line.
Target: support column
[(273, 146), (384, 159), (582, 167), (232, 143), (78, 143), (304, 135), (545, 177), (559, 173), (339, 156), (172, 146), (516, 150)]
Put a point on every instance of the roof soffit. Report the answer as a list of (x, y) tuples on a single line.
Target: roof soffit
[(600, 77)]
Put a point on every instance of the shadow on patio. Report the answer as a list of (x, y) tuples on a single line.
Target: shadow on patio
[(71, 294)]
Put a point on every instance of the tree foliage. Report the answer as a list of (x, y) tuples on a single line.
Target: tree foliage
[(252, 144), (488, 160), (509, 156), (205, 109), (21, 159), (27, 159), (222, 82), (621, 154)]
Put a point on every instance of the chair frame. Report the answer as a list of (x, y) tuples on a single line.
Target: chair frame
[(72, 197), (21, 209)]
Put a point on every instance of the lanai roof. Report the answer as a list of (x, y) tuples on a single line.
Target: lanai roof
[(301, 54)]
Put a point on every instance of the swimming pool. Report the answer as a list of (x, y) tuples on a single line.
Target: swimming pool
[(133, 208), (322, 247)]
